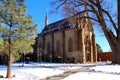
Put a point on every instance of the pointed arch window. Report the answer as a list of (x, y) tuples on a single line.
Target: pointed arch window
[(48, 47), (40, 46), (58, 46), (70, 44)]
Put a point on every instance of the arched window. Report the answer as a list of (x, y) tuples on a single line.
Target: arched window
[(40, 46), (70, 44), (48, 47), (58, 46)]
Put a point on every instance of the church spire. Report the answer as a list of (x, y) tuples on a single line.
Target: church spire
[(46, 20)]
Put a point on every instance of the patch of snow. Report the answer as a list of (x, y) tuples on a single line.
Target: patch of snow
[(29, 72), (92, 76), (115, 69), (102, 72)]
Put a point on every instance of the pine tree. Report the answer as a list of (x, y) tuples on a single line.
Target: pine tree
[(17, 26), (99, 49)]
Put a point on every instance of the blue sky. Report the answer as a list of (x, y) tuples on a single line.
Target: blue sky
[(37, 9)]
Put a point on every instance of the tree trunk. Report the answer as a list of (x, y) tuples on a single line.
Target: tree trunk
[(118, 6), (10, 55), (9, 61), (118, 13), (116, 52), (116, 44)]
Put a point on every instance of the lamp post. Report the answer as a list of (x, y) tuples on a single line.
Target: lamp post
[(38, 55), (50, 57), (43, 56)]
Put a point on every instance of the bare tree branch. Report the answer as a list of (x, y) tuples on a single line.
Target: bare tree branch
[(89, 18), (114, 25), (63, 2)]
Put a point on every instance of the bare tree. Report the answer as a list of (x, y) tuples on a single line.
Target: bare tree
[(100, 11)]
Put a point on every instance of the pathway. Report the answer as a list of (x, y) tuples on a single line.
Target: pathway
[(65, 74)]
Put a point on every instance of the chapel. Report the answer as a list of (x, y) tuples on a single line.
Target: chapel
[(68, 40)]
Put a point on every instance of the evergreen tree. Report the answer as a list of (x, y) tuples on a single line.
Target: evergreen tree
[(17, 28), (99, 49)]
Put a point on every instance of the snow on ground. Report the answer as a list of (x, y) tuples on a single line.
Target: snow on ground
[(112, 69), (29, 72), (36, 71), (101, 72), (92, 76)]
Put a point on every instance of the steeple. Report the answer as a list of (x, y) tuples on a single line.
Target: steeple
[(46, 20)]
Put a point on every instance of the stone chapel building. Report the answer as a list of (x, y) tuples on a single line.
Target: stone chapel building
[(67, 40)]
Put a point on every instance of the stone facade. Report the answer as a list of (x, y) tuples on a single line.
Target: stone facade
[(64, 42)]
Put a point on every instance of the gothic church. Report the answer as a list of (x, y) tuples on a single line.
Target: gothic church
[(67, 40)]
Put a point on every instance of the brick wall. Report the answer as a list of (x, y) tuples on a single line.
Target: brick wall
[(104, 56)]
